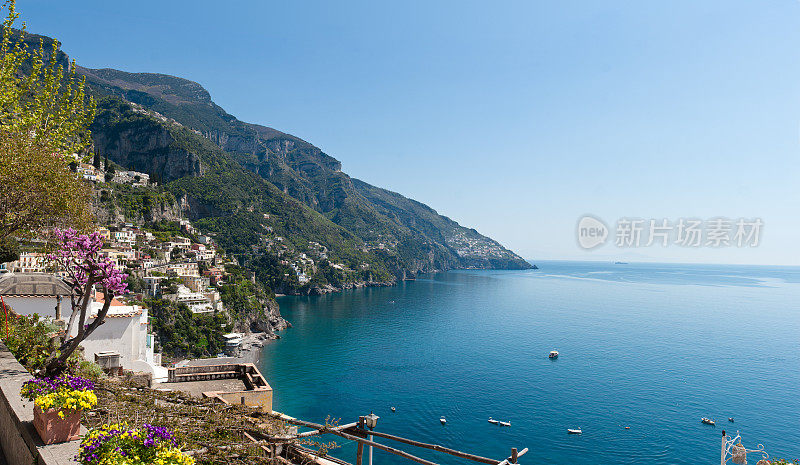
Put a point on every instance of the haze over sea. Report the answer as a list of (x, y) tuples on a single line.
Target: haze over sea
[(651, 346)]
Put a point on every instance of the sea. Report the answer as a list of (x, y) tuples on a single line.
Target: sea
[(646, 351)]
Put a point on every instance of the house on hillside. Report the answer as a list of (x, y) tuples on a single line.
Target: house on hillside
[(197, 302), (28, 262)]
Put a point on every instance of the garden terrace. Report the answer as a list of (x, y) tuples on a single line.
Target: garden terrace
[(212, 432)]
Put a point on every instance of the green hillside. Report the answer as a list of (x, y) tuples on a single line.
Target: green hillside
[(416, 235)]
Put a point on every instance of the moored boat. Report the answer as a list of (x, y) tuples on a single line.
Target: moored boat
[(493, 421), (504, 423), (708, 421), (574, 431), (553, 354), (442, 420)]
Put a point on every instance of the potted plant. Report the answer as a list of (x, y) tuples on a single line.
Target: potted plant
[(58, 403), (117, 443)]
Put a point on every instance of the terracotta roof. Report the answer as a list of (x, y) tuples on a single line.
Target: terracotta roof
[(100, 298), (33, 284)]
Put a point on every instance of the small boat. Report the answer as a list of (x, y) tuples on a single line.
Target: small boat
[(553, 354), (730, 419), (627, 427), (393, 409), (493, 421), (504, 423), (574, 431), (707, 421), (442, 420)]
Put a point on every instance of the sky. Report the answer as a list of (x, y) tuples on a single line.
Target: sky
[(516, 118)]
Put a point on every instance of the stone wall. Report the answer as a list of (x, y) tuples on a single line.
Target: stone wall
[(19, 441)]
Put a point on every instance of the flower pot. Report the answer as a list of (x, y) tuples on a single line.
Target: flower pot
[(54, 429)]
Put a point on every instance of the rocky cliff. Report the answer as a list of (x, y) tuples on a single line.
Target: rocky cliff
[(415, 236)]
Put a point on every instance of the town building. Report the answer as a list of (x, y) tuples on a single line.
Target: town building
[(124, 334), (28, 262), (197, 302)]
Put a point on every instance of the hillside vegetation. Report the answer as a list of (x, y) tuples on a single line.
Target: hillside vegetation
[(277, 202)]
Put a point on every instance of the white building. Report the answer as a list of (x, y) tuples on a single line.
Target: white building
[(152, 284), (182, 243), (197, 302), (203, 252), (124, 332), (28, 262), (124, 237), (132, 177)]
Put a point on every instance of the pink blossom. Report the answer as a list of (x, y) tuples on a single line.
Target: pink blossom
[(80, 256)]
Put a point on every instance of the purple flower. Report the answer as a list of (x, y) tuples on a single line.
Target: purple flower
[(35, 387), (80, 256)]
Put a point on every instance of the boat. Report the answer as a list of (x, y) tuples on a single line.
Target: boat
[(504, 423), (627, 427), (493, 421), (393, 409), (574, 431), (730, 419), (553, 354), (707, 421), (442, 420)]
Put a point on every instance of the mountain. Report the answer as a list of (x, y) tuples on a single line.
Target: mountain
[(280, 204), (424, 239)]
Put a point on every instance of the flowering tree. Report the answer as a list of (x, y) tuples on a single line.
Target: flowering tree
[(79, 255), (45, 115)]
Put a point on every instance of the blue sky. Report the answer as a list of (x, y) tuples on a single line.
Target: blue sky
[(515, 118)]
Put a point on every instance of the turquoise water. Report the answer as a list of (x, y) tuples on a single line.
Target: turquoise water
[(653, 347)]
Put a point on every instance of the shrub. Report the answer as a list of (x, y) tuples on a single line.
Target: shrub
[(29, 340)]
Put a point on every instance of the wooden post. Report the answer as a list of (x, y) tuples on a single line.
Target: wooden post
[(722, 452), (513, 455), (360, 448)]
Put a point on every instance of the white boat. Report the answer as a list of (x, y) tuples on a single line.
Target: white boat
[(504, 423), (707, 421), (553, 354), (393, 409), (493, 421), (574, 431), (443, 420)]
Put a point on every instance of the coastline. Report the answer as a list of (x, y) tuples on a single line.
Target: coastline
[(250, 348)]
